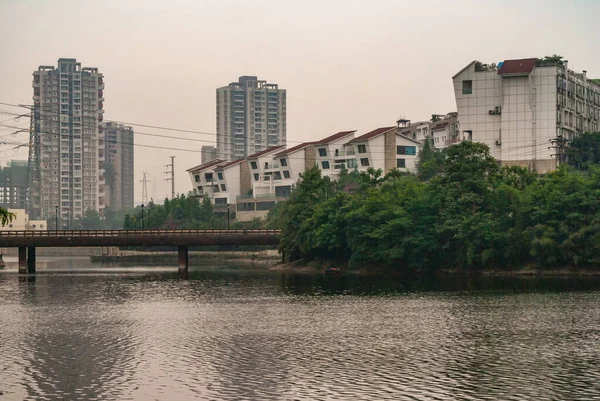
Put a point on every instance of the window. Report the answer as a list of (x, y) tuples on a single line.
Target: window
[(283, 162), (220, 175), (277, 176), (286, 174), (223, 187), (406, 150), (362, 148), (216, 188), (256, 176), (400, 163), (467, 87), (197, 178), (208, 176), (364, 162), (253, 165), (325, 165), (322, 152)]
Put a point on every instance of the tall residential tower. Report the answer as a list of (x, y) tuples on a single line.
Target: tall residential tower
[(66, 176), (116, 142), (251, 117)]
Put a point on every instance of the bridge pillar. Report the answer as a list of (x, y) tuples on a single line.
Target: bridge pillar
[(22, 260), (31, 259), (182, 257)]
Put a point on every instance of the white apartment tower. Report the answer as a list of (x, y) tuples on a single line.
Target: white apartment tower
[(251, 117), (65, 159), (116, 154), (518, 106)]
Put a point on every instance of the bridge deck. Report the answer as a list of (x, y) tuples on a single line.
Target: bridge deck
[(74, 238)]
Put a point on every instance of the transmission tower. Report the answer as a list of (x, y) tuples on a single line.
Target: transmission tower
[(144, 182), (33, 166), (172, 178), (559, 145)]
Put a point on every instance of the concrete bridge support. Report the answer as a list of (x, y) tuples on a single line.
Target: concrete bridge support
[(22, 260), (182, 257), (31, 259)]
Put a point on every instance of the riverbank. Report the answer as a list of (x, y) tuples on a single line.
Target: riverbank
[(303, 266), (262, 258)]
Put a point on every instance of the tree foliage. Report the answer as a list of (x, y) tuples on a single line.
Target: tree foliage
[(461, 210)]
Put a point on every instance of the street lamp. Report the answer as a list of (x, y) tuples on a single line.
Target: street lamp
[(56, 219), (142, 216)]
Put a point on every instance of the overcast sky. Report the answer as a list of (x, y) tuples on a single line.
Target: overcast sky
[(348, 64)]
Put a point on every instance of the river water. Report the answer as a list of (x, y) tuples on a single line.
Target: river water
[(82, 333)]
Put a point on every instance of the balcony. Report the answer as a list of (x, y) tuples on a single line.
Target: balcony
[(271, 167)]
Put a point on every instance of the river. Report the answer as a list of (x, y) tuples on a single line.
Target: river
[(75, 332)]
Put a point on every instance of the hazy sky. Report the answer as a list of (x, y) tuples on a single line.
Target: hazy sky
[(346, 64)]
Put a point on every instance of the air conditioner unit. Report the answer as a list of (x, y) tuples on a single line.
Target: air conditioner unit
[(498, 109), (498, 142)]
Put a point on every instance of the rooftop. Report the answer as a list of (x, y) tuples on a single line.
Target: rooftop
[(372, 134), (334, 137), (294, 148), (266, 151), (517, 67), (205, 165)]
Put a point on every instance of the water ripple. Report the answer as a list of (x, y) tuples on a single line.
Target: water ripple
[(151, 336)]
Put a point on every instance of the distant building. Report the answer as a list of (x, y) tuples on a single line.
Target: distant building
[(251, 117), (66, 170), (441, 131), (518, 106), (116, 147), (21, 222), (209, 153), (13, 185)]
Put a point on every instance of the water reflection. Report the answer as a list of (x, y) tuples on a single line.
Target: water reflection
[(232, 334)]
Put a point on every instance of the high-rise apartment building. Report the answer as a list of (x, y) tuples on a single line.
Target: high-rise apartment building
[(251, 117), (208, 153), (116, 144), (66, 176), (518, 106)]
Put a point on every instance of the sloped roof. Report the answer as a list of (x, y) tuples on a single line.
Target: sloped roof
[(294, 148), (229, 164), (264, 152), (205, 165), (517, 67), (334, 137), (464, 68), (439, 126), (372, 134)]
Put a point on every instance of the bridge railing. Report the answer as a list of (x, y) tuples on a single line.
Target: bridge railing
[(137, 233)]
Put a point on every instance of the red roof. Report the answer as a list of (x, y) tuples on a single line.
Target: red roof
[(231, 163), (264, 152), (439, 126), (293, 149), (206, 165), (372, 134), (517, 67), (334, 137)]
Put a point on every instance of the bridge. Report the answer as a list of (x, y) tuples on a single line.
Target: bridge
[(27, 241)]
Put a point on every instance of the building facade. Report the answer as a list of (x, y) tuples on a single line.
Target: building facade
[(518, 106), (13, 185), (65, 162), (117, 160), (21, 222), (251, 186), (251, 117)]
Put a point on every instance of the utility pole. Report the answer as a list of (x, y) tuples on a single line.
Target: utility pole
[(172, 178), (144, 182), (559, 145)]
